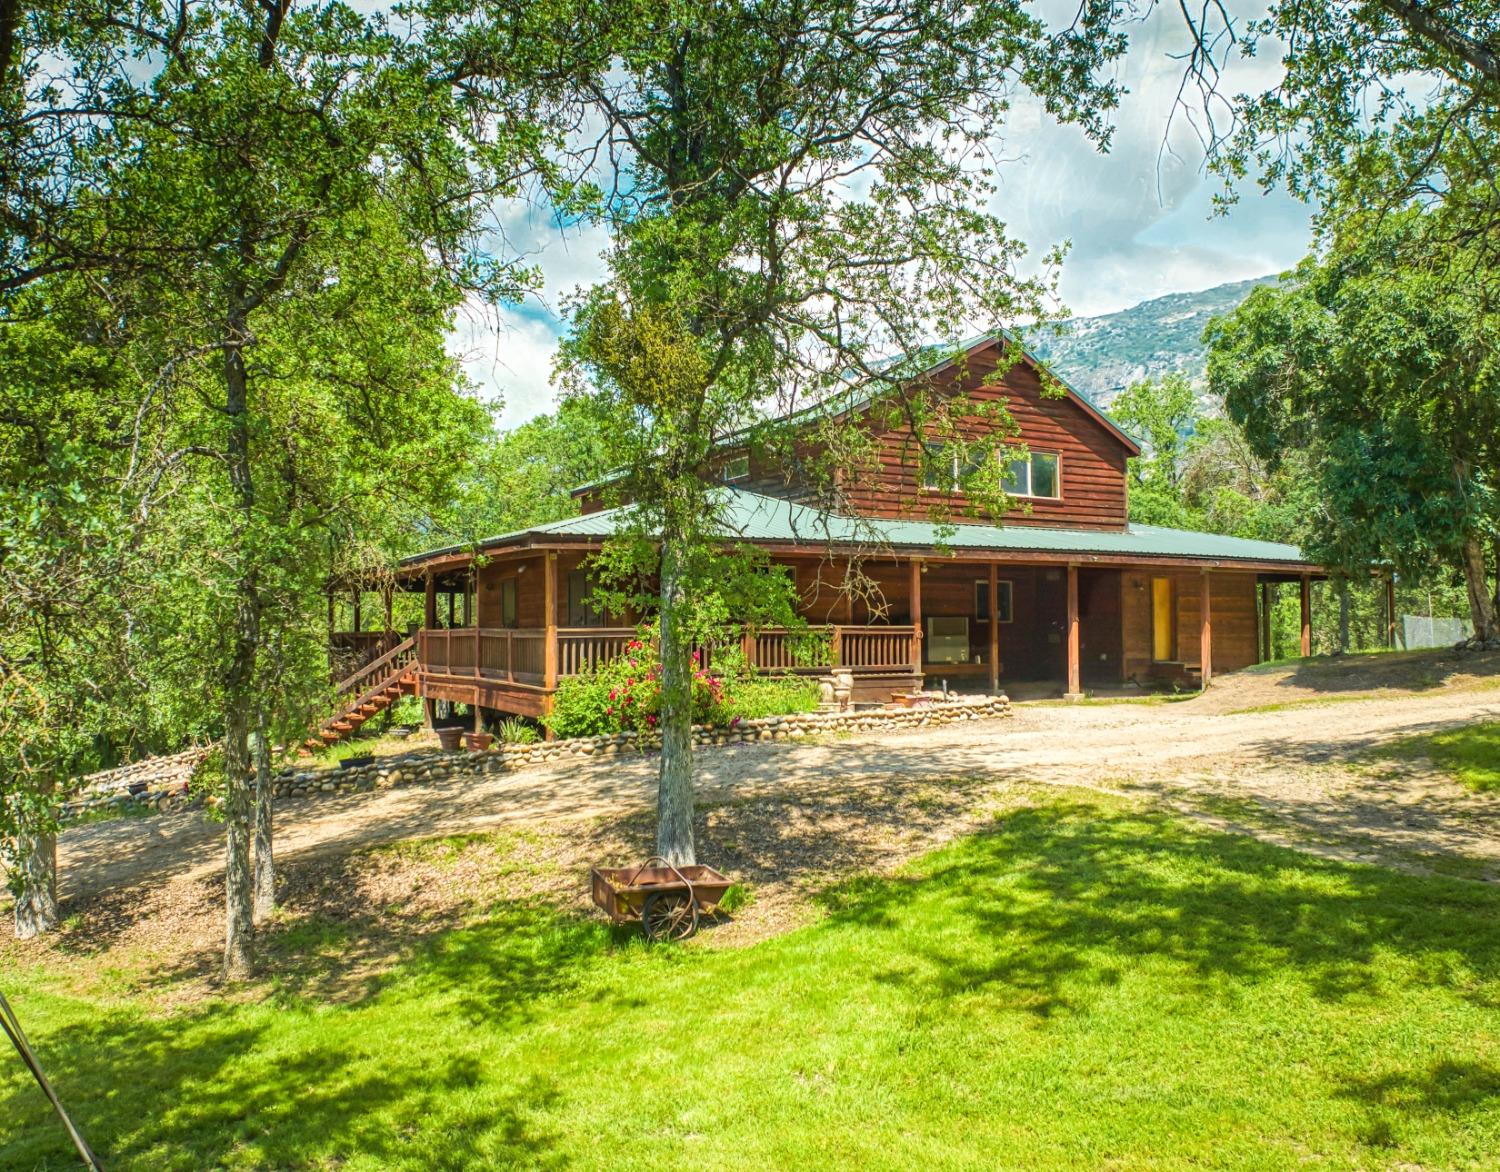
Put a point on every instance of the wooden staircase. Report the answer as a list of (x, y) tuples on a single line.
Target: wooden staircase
[(370, 690)]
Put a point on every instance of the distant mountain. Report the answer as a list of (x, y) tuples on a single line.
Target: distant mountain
[(1103, 355)]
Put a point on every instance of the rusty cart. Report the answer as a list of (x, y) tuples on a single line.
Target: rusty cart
[(667, 900)]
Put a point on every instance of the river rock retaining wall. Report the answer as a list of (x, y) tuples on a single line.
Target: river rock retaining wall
[(428, 765)]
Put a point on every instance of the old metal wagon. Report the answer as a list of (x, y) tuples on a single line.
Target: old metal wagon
[(667, 900)]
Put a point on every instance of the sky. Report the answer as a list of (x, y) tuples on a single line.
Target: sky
[(1139, 221)]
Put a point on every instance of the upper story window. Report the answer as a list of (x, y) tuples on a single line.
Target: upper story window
[(737, 469), (1034, 475), (943, 471), (508, 595)]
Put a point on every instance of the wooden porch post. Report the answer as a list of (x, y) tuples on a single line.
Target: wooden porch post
[(916, 619), (429, 603), (549, 609), (1075, 674), (331, 618), (1205, 630), (355, 594), (1306, 616), (848, 592), (389, 597), (1265, 622), (450, 610), (1390, 610), (994, 651)]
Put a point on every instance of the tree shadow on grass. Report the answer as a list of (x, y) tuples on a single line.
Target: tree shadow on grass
[(1061, 897), (230, 1084)]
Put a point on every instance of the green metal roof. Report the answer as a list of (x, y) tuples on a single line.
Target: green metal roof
[(749, 516)]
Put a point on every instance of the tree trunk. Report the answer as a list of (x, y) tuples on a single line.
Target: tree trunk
[(265, 860), (674, 799), (239, 677), (1481, 605), (1343, 614), (36, 896)]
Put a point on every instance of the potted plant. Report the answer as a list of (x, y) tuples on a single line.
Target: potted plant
[(449, 738), (478, 742)]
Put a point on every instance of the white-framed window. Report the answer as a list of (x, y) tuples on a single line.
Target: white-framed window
[(942, 471), (738, 468), (1004, 593), (1035, 474)]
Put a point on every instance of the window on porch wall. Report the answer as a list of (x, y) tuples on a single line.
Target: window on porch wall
[(581, 610), (508, 597)]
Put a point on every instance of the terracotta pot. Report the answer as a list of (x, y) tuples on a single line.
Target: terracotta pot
[(478, 742), (450, 738)]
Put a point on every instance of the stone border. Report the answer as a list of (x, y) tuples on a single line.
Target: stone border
[(427, 765)]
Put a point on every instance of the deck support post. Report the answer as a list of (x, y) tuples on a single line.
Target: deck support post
[(1390, 611), (429, 603), (450, 610), (1205, 630), (994, 618), (355, 594), (1306, 600), (1266, 603), (916, 619), (1075, 642), (549, 644), (388, 596)]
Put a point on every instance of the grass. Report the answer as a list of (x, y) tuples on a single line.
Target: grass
[(1083, 985), (1470, 755)]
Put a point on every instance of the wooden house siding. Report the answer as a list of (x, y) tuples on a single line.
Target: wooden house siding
[(1232, 612), (1091, 462)]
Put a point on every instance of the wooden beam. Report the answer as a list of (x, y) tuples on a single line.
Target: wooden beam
[(1306, 599), (1390, 610), (429, 604), (1205, 629), (1075, 643), (994, 651), (916, 619), (549, 610), (1266, 602)]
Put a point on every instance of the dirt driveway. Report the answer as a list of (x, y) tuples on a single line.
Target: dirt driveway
[(1284, 754)]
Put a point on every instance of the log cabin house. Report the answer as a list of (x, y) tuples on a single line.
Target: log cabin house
[(1063, 594)]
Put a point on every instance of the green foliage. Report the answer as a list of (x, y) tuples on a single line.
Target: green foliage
[(624, 695), (1371, 367), (750, 697), (515, 730)]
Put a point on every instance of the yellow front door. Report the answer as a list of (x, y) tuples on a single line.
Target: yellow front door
[(1163, 644)]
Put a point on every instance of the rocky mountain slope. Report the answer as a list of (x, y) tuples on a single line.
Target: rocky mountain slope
[(1103, 355)]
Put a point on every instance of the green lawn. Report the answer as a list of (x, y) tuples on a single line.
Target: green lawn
[(1084, 986), (1470, 754)]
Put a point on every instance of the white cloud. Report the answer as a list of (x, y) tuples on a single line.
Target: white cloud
[(1139, 219), (509, 355)]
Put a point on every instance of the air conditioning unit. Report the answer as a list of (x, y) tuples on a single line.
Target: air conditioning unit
[(947, 640)]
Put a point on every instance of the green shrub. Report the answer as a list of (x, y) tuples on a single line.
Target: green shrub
[(514, 730), (407, 710), (750, 697), (625, 696)]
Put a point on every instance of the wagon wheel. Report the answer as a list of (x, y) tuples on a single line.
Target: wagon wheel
[(669, 915)]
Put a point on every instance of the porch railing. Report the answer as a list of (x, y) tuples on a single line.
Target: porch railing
[(520, 655)]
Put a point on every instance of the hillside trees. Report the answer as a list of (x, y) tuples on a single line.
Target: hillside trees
[(222, 171), (1376, 360), (797, 191)]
